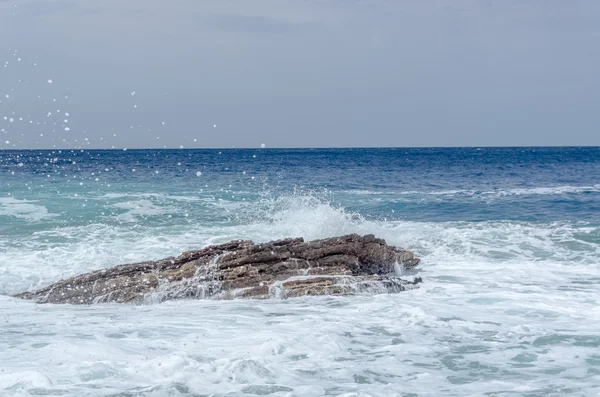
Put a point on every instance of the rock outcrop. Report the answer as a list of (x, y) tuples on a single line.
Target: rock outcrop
[(242, 269)]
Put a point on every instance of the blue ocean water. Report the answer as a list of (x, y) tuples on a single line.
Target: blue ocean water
[(509, 237)]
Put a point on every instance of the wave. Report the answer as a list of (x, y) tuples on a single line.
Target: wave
[(161, 196), (23, 209), (549, 190), (140, 209), (465, 249)]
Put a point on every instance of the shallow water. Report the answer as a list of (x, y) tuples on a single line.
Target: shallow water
[(510, 241)]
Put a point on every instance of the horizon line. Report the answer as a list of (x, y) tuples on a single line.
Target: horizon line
[(309, 148)]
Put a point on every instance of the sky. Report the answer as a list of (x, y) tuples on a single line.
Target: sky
[(298, 73)]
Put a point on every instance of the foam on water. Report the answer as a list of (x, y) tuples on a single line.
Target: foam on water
[(509, 304), (23, 209), (420, 341), (139, 208), (546, 190), (65, 251)]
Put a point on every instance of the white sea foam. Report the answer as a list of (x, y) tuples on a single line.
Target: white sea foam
[(506, 307), (157, 196), (23, 209), (552, 190), (139, 209), (65, 251), (533, 191)]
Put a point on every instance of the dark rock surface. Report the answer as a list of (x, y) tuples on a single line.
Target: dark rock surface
[(242, 269)]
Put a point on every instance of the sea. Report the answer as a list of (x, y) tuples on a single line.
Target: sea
[(509, 240)]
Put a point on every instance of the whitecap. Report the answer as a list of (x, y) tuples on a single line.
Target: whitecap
[(23, 209)]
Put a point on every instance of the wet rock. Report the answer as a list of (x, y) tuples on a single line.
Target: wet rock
[(242, 269)]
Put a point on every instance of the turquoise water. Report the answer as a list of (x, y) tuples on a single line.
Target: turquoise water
[(509, 237)]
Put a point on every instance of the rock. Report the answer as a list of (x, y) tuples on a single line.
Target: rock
[(242, 269)]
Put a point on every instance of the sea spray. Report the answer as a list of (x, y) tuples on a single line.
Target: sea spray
[(509, 237)]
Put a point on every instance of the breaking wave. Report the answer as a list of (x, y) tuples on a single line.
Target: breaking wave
[(46, 256)]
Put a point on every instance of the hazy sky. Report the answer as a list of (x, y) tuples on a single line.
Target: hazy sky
[(308, 73)]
